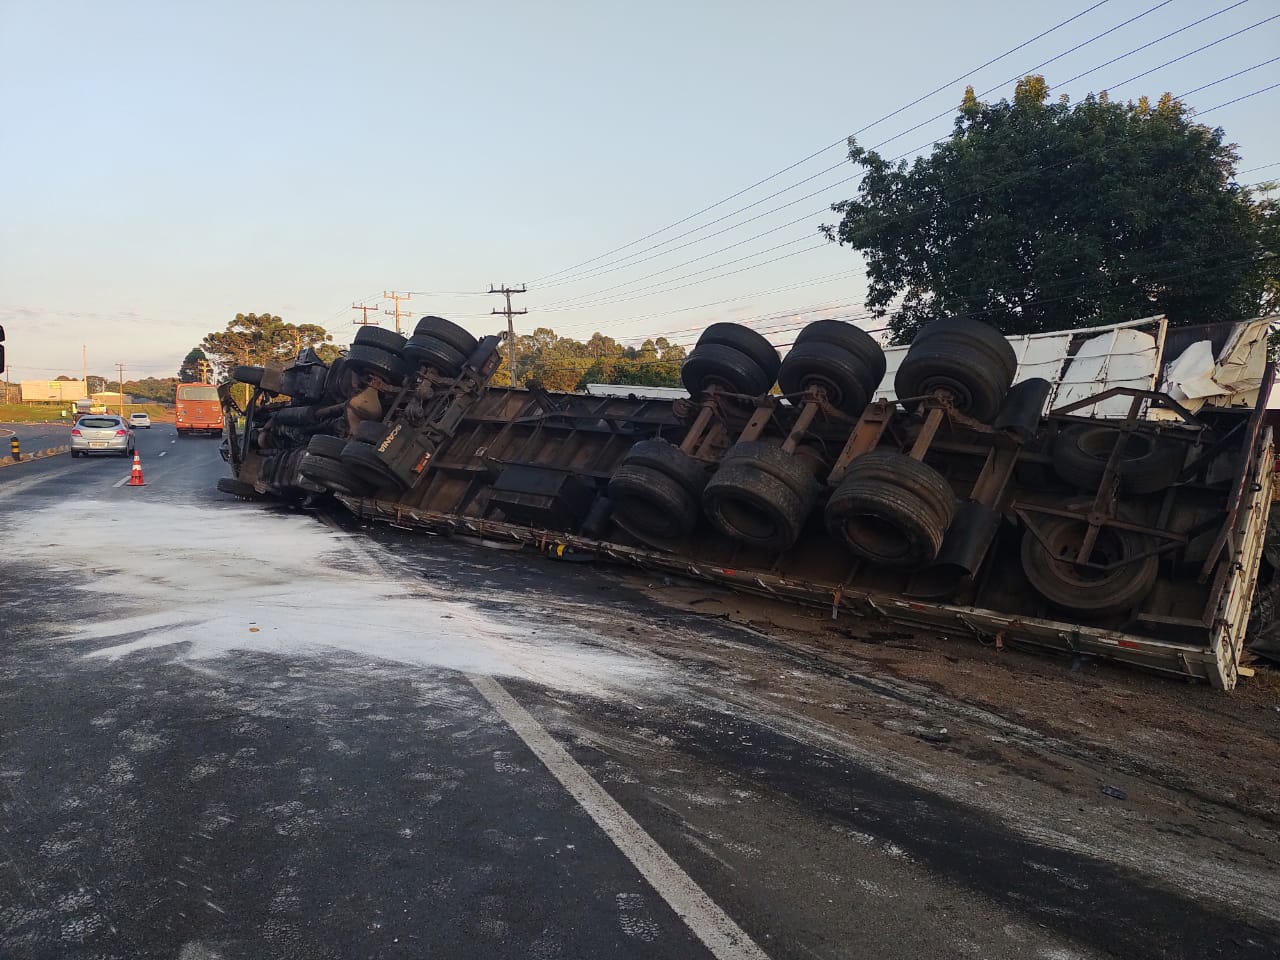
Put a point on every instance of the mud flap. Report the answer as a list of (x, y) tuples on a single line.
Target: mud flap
[(963, 549)]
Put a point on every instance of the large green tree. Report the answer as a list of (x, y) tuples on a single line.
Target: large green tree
[(562, 363), (253, 338), (160, 390), (190, 371), (1038, 215)]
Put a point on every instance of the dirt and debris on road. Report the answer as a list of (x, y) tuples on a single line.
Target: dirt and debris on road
[(1167, 776)]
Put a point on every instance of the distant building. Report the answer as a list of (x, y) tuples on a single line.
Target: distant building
[(52, 391)]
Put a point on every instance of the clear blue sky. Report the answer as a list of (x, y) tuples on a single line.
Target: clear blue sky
[(165, 165)]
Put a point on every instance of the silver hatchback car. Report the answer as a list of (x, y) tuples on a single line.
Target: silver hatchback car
[(102, 433)]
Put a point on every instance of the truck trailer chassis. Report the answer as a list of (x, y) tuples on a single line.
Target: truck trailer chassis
[(962, 503)]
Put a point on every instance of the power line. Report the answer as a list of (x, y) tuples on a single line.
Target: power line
[(837, 143), (594, 272), (1231, 76), (570, 301), (1191, 53), (1039, 66), (972, 314), (570, 304), (1152, 43), (449, 293), (729, 273), (622, 265), (1237, 99), (812, 308), (734, 226)]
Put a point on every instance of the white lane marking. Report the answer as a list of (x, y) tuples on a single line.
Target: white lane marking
[(121, 482), (710, 924), (162, 453)]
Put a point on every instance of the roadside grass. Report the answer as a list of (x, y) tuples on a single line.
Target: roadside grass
[(56, 413)]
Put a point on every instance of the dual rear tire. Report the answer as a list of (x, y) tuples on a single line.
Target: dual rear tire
[(732, 358), (440, 345), (844, 361), (967, 362), (891, 510), (761, 496), (656, 492)]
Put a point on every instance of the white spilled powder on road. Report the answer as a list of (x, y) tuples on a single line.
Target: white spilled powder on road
[(230, 579)]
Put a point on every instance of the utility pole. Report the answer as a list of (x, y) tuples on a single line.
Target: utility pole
[(121, 366), (84, 361), (511, 330), (364, 320), (203, 366), (397, 297)]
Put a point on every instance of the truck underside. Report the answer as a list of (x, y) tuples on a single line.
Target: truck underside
[(967, 501)]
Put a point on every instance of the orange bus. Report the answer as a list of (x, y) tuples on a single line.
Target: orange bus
[(198, 409)]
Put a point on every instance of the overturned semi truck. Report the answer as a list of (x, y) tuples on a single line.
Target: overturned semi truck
[(1094, 492)]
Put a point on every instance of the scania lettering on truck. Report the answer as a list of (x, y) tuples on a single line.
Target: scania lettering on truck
[(198, 409)]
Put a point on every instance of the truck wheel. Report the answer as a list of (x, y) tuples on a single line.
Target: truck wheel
[(428, 351), (716, 365), (650, 505), (1050, 568), (238, 488), (323, 445), (387, 340), (333, 475), (668, 459), (891, 510), (340, 383), (365, 462), (993, 340), (374, 360), (790, 468), (745, 340), (1147, 463), (851, 339), (245, 373), (447, 332), (848, 384), (746, 502), (959, 360)]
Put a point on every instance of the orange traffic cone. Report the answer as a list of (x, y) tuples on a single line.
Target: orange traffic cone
[(135, 475)]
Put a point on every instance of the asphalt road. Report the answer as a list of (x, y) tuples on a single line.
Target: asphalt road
[(229, 730), (34, 437)]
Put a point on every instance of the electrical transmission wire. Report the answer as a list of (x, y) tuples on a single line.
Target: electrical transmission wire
[(836, 143), (1232, 76), (586, 301), (621, 264), (1191, 53), (1228, 103), (1180, 275), (1152, 43)]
